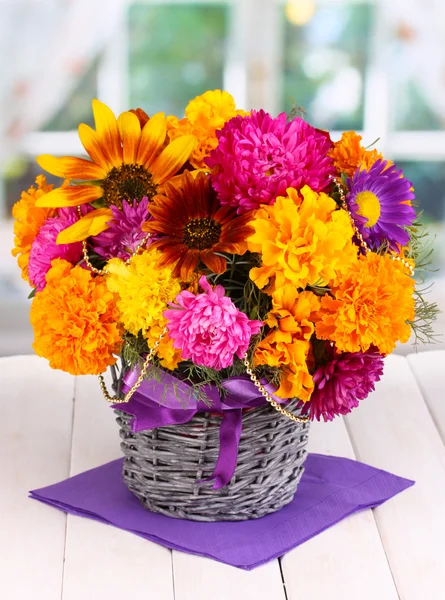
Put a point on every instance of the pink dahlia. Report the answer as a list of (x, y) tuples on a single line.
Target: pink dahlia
[(259, 157), (124, 233), (208, 328), (342, 382), (44, 248)]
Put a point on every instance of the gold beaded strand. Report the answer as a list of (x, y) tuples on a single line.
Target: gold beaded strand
[(359, 236)]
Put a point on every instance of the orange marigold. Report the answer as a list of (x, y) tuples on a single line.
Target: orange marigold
[(348, 154), (204, 115), (287, 346), (372, 305), (75, 321), (302, 240), (28, 220)]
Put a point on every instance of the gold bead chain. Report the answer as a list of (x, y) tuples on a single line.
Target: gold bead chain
[(268, 397), (105, 271), (137, 383), (359, 236)]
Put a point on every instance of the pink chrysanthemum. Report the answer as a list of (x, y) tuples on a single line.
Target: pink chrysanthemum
[(343, 381), (125, 233), (259, 157), (44, 248), (208, 328)]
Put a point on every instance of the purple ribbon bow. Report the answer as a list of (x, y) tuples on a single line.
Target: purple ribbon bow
[(170, 401)]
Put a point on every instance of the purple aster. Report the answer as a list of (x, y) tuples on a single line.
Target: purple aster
[(340, 383), (125, 233), (44, 248), (380, 204), (259, 157)]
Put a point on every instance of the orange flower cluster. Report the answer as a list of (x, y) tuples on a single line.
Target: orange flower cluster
[(372, 305), (203, 117), (349, 155), (75, 321), (28, 220)]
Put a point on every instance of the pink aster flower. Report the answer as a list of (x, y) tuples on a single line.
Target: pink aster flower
[(342, 382), (124, 233), (44, 248), (208, 328), (259, 157)]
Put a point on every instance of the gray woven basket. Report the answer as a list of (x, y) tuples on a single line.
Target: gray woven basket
[(164, 467)]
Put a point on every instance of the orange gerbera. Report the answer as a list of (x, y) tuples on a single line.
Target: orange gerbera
[(204, 115), (372, 305), (128, 162), (348, 154), (191, 227), (75, 321), (28, 220)]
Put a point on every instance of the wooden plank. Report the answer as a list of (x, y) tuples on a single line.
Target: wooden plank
[(35, 440), (394, 431), (198, 578), (102, 561), (429, 371), (348, 558)]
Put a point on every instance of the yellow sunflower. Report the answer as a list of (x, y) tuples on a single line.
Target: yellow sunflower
[(128, 162)]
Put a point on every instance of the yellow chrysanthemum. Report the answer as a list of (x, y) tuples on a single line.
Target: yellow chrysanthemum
[(204, 115), (372, 305), (28, 220), (128, 162), (288, 343), (302, 240), (348, 154), (143, 291), (75, 321)]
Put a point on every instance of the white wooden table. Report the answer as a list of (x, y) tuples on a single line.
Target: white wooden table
[(53, 426)]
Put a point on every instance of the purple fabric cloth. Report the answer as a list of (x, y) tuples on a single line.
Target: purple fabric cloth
[(331, 489)]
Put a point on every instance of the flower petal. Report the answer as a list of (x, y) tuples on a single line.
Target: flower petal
[(90, 142), (215, 263), (69, 167), (72, 195), (107, 133), (130, 132), (172, 158), (92, 223), (152, 139)]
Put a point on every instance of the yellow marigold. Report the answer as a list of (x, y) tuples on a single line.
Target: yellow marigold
[(372, 306), (302, 240), (204, 115), (288, 344), (28, 220), (349, 155), (143, 291), (75, 321)]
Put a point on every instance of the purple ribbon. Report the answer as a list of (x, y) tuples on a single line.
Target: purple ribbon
[(170, 401)]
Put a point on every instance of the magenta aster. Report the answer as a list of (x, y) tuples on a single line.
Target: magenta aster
[(125, 233), (343, 381), (208, 328), (380, 204), (44, 248), (259, 157)]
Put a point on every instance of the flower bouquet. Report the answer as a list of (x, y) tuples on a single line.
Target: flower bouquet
[(249, 273)]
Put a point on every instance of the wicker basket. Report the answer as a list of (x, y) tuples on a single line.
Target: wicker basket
[(164, 467)]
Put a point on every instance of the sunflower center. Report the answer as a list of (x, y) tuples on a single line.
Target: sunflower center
[(127, 182), (368, 207), (201, 233)]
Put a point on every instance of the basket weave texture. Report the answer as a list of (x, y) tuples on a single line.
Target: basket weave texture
[(164, 467)]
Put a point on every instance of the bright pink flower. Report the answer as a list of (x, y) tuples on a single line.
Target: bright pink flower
[(208, 327), (44, 248), (342, 382), (258, 158)]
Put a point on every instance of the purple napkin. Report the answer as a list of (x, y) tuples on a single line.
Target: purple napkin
[(331, 489)]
